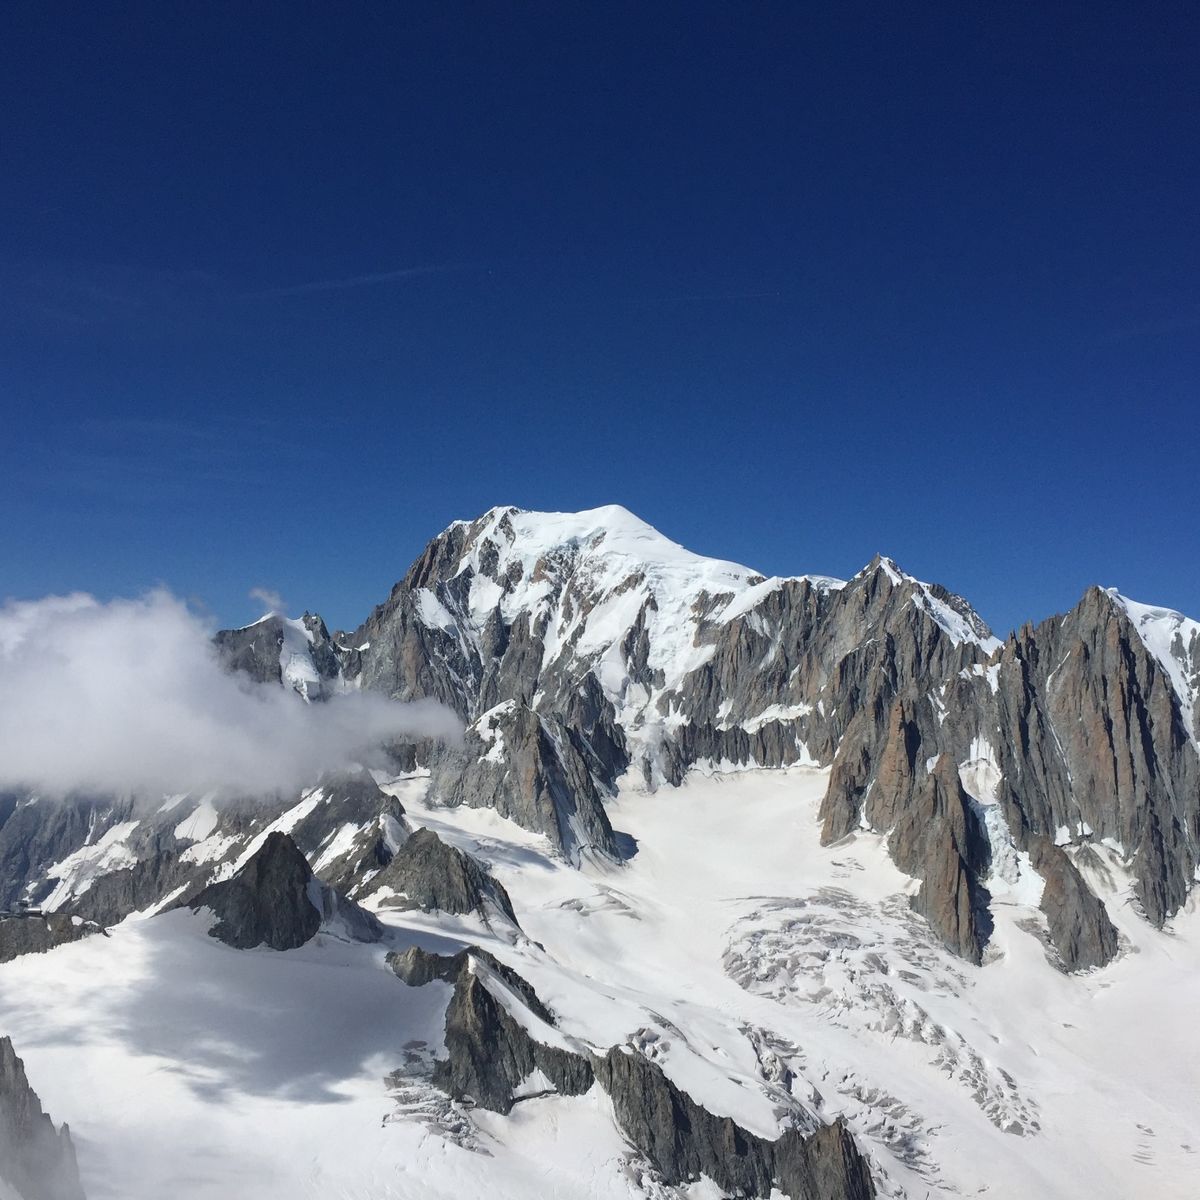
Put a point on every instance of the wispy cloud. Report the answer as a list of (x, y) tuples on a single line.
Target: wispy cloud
[(354, 281), (707, 298), (148, 459), (271, 600), (110, 295)]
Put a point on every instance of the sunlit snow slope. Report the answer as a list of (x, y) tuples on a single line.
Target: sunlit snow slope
[(774, 980)]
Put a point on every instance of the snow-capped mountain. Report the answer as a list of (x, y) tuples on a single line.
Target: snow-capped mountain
[(734, 884)]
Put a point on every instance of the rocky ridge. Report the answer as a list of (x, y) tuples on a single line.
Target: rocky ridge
[(579, 647), (503, 1046), (429, 874), (36, 1158), (275, 900), (35, 933)]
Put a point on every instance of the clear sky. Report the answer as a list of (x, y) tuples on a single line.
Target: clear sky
[(286, 288)]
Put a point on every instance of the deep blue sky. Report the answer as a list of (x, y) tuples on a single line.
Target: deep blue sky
[(795, 283)]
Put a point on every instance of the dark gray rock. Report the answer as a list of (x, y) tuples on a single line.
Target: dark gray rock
[(35, 933), (1079, 925), (255, 650), (353, 799), (684, 1140), (534, 770), (1089, 737), (1084, 725), (276, 901), (36, 1159), (937, 837), (1093, 734), (417, 967), (112, 897), (39, 833), (490, 1054), (429, 874), (934, 829)]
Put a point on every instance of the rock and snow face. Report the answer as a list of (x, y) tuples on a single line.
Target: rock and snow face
[(580, 646), (275, 900), (735, 963), (1174, 640), (276, 649), (37, 1160), (977, 820), (604, 646)]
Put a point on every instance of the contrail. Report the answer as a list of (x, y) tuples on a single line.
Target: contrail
[(353, 281)]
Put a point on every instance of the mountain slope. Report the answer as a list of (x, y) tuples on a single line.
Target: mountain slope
[(797, 852)]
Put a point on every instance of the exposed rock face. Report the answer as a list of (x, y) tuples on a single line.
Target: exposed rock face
[(536, 771), (935, 832), (936, 836), (276, 650), (1078, 922), (267, 902), (275, 901), (1088, 738), (35, 833), (35, 934), (52, 852), (351, 804), (427, 873), (499, 1034), (684, 1140), (582, 645), (113, 896), (36, 1159), (493, 1053), (1094, 737)]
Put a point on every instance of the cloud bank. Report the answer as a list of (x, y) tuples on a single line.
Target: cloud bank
[(128, 696)]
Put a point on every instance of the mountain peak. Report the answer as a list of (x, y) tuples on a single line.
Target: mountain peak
[(1174, 641), (952, 612), (274, 899)]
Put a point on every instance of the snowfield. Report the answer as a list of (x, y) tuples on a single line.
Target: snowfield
[(775, 980)]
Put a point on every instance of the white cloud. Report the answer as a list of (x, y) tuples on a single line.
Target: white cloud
[(129, 696), (271, 600)]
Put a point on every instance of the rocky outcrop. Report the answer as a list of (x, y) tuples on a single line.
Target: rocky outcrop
[(350, 809), (501, 1040), (276, 650), (275, 900), (684, 1140), (110, 898), (35, 933), (937, 837), (582, 645), (934, 829), (54, 850), (1078, 923), (36, 833), (536, 771), (790, 675), (500, 1037), (429, 874), (1086, 731), (1094, 742), (36, 1159)]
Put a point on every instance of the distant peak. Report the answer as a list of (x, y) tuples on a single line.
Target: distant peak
[(1174, 640), (610, 530), (889, 567), (1142, 614), (950, 611)]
